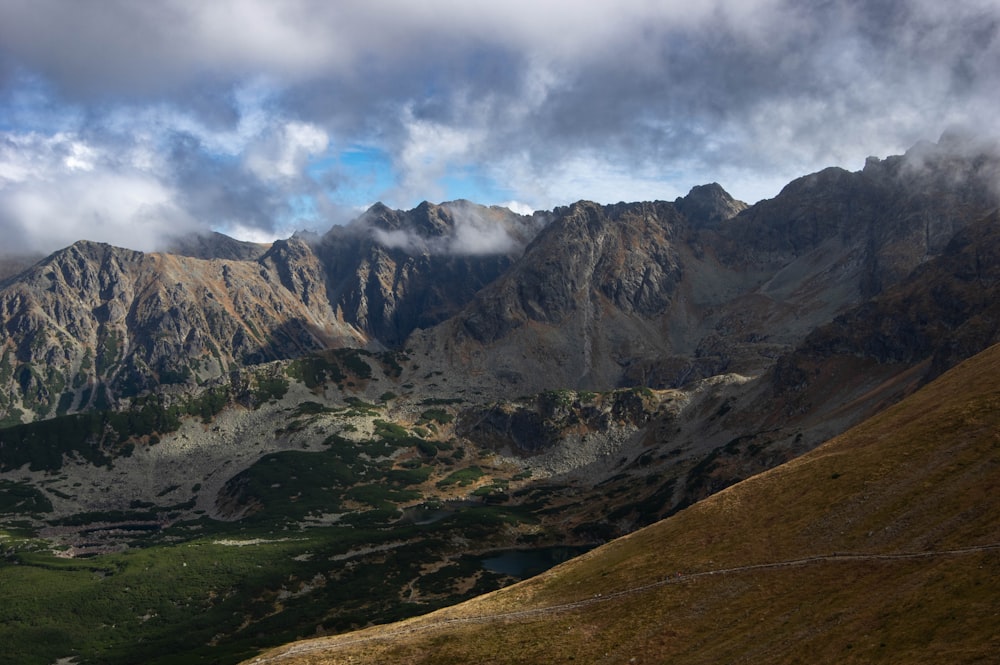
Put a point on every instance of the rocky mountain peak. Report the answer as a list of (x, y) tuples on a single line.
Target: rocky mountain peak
[(216, 245), (432, 220), (392, 271), (453, 228), (571, 302), (298, 268), (94, 323), (426, 220), (707, 205)]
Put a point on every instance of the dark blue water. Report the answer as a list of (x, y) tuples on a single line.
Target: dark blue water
[(528, 563)]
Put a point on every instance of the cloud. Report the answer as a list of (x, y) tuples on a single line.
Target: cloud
[(229, 107), (518, 208), (470, 229), (477, 232), (428, 150), (470, 237), (139, 174), (283, 154), (127, 209)]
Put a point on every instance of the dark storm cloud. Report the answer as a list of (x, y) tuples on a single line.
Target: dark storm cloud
[(213, 110)]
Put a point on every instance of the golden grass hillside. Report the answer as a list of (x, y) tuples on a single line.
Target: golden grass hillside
[(881, 546)]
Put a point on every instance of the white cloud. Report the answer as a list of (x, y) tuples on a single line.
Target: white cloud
[(253, 234), (474, 230), (428, 152), (81, 157), (518, 207), (32, 156), (592, 177), (478, 234), (284, 153), (151, 126), (139, 174), (406, 240), (125, 209)]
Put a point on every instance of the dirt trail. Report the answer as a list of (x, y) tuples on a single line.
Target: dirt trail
[(334, 644)]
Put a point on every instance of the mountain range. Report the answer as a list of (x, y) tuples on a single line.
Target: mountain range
[(587, 296), (416, 391)]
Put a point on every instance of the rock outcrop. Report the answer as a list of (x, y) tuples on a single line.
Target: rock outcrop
[(660, 294), (93, 323), (946, 311), (391, 272), (217, 246)]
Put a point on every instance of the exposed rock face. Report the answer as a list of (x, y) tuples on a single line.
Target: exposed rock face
[(577, 304), (619, 256), (709, 205), (882, 222), (660, 294), (526, 428), (948, 310), (392, 272), (93, 323), (217, 246)]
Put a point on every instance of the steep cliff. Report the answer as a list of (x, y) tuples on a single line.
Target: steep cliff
[(93, 323), (391, 272), (660, 294)]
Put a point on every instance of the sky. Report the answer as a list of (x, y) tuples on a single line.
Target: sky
[(133, 122)]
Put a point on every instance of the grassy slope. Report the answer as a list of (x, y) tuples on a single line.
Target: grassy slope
[(922, 477)]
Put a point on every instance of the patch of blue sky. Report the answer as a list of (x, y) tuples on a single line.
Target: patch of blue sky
[(358, 175), (361, 174), (473, 185), (28, 105), (302, 210)]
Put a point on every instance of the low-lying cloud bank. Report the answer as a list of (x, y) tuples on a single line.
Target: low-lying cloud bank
[(464, 229)]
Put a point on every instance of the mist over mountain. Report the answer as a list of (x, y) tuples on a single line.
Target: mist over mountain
[(11, 264), (392, 272), (216, 246)]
